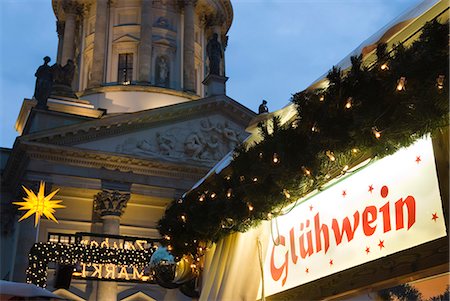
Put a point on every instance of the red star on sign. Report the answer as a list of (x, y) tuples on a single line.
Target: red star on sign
[(311, 207), (435, 217), (381, 244), (418, 159), (307, 271), (367, 250), (370, 188), (344, 193), (331, 261)]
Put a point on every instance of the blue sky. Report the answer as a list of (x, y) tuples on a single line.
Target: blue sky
[(275, 47)]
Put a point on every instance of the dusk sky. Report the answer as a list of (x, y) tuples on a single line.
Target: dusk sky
[(275, 47)]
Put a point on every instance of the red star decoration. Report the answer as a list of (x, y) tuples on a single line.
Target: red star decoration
[(331, 261), (435, 217), (381, 244), (307, 271), (367, 250), (370, 188), (344, 193), (418, 159), (311, 207)]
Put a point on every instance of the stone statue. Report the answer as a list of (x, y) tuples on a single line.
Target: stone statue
[(263, 108), (162, 71), (214, 52), (44, 83), (193, 146), (62, 79)]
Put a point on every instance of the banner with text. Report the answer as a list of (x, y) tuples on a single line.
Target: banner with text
[(389, 206)]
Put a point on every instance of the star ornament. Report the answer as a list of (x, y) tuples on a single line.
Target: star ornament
[(39, 204)]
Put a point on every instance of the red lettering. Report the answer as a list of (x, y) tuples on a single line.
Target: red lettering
[(277, 272), (386, 217), (318, 230), (310, 250), (346, 227), (411, 205), (372, 210), (292, 240)]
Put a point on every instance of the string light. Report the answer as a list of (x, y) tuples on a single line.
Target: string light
[(286, 194), (213, 195), (250, 207), (330, 155), (384, 67), (315, 128), (354, 150), (166, 237), (255, 179), (348, 104), (440, 82), (376, 133), (275, 158), (345, 168), (401, 84), (201, 198), (306, 171), (229, 193), (183, 218), (261, 155), (322, 97)]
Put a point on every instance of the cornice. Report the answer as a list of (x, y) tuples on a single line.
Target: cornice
[(124, 123), (24, 152), (137, 88)]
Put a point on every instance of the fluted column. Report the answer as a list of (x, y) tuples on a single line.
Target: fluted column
[(60, 32), (188, 47), (98, 63), (71, 8), (145, 45), (110, 205)]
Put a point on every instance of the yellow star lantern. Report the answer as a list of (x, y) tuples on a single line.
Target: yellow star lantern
[(39, 204)]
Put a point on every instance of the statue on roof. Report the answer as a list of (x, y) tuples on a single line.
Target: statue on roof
[(44, 83), (214, 52), (263, 107)]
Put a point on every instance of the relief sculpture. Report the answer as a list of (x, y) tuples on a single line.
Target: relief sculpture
[(203, 141)]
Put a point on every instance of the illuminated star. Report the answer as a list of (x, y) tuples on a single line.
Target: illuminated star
[(381, 244), (367, 250), (418, 159), (370, 188), (331, 261), (435, 217), (39, 204), (344, 193)]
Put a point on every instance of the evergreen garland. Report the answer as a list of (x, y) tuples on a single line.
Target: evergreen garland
[(364, 113)]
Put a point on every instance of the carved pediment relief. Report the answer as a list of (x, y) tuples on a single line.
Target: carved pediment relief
[(200, 141)]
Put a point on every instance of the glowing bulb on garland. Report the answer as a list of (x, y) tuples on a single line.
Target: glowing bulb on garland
[(261, 155), (376, 133), (166, 237), (401, 84), (229, 193), (315, 128), (354, 150), (286, 194), (345, 168), (440, 82), (384, 67), (255, 179), (330, 155), (201, 198), (306, 171), (275, 158), (183, 218), (348, 104), (213, 195), (250, 207), (322, 97)]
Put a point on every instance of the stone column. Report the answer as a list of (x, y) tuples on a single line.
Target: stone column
[(98, 62), (189, 46), (110, 205), (60, 31), (71, 9), (145, 45)]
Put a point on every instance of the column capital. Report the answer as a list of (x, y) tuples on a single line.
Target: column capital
[(72, 7), (110, 202), (217, 19)]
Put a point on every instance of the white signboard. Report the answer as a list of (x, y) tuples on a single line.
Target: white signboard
[(389, 206)]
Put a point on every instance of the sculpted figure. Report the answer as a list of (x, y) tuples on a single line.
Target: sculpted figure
[(165, 143), (214, 52), (193, 146), (230, 136), (44, 83), (263, 107)]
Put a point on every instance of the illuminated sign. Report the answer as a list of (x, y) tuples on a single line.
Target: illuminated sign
[(389, 206)]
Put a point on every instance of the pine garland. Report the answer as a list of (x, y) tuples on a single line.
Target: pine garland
[(367, 112)]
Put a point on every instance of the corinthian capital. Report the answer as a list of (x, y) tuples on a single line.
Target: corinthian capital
[(109, 202), (72, 7)]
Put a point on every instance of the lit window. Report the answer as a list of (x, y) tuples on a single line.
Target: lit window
[(125, 68)]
